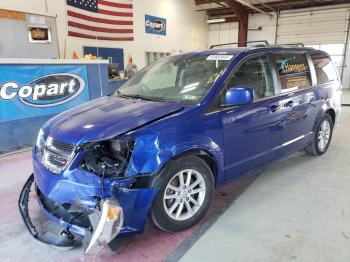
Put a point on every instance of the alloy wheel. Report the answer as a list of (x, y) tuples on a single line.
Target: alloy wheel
[(184, 195), (324, 133)]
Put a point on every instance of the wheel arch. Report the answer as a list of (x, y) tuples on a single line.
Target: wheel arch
[(331, 112), (208, 158), (200, 153), (325, 109)]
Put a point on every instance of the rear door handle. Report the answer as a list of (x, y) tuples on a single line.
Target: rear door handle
[(289, 104), (274, 108)]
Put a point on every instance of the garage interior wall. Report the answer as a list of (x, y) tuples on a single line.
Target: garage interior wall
[(323, 28), (228, 32), (187, 29), (16, 43), (222, 33), (267, 24)]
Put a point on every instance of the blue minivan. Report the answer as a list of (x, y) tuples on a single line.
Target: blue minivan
[(180, 128)]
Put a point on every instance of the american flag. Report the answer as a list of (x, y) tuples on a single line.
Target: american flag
[(101, 19)]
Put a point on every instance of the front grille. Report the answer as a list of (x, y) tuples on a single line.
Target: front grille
[(57, 154), (56, 160), (63, 147)]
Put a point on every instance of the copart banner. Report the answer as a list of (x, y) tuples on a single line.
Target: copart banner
[(29, 91), (155, 25)]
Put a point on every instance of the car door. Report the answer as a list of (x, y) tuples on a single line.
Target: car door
[(297, 100), (252, 132)]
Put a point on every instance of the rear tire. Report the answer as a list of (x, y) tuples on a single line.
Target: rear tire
[(186, 188), (322, 137)]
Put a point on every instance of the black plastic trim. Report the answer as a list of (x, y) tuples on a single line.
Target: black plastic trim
[(23, 208)]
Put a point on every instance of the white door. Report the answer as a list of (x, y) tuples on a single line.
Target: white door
[(324, 29)]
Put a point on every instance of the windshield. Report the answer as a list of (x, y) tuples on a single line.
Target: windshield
[(182, 78)]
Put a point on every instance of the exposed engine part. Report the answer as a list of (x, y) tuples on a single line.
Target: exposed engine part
[(108, 158)]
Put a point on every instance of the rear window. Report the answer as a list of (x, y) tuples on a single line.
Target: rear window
[(324, 68), (293, 70)]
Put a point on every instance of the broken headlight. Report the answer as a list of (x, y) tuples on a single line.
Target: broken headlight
[(107, 158), (40, 142), (106, 223)]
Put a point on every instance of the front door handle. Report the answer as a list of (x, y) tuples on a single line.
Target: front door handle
[(289, 104), (274, 108)]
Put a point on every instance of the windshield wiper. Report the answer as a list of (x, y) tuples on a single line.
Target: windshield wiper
[(154, 99)]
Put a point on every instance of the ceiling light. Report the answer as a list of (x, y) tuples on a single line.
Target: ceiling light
[(217, 20)]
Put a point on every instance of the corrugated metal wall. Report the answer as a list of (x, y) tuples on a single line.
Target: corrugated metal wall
[(346, 71), (322, 28), (313, 27), (223, 33), (228, 32), (267, 24)]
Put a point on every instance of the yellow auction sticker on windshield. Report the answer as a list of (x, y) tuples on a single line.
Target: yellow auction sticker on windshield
[(219, 57)]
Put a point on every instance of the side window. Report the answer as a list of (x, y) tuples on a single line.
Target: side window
[(324, 68), (256, 74), (293, 70)]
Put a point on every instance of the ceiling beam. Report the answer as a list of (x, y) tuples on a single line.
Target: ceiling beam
[(219, 11), (239, 10), (242, 2), (202, 2), (277, 5), (242, 14), (264, 4)]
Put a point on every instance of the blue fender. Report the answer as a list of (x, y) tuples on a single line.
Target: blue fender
[(154, 149)]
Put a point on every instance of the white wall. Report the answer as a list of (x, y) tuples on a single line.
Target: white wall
[(223, 33), (268, 25), (228, 32), (186, 29)]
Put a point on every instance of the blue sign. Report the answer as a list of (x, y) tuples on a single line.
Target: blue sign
[(29, 91), (155, 25)]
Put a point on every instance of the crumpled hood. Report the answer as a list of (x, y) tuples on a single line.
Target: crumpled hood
[(105, 118)]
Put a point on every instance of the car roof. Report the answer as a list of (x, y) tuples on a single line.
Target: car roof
[(237, 50)]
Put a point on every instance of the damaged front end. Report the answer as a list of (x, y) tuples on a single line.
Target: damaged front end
[(106, 222), (101, 225), (86, 193), (107, 159)]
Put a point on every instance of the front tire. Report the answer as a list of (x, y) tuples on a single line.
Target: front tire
[(322, 138), (186, 189)]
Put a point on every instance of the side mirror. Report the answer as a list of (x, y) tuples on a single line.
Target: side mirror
[(238, 96)]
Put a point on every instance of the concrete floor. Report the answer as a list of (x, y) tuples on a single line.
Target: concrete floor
[(297, 210), (345, 100)]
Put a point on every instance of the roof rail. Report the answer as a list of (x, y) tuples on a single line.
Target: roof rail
[(246, 42), (295, 44)]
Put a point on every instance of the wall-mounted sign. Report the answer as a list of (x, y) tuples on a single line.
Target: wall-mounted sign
[(39, 35), (40, 90), (35, 20), (155, 25), (38, 30)]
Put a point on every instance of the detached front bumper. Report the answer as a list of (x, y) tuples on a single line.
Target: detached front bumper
[(124, 211), (48, 238)]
